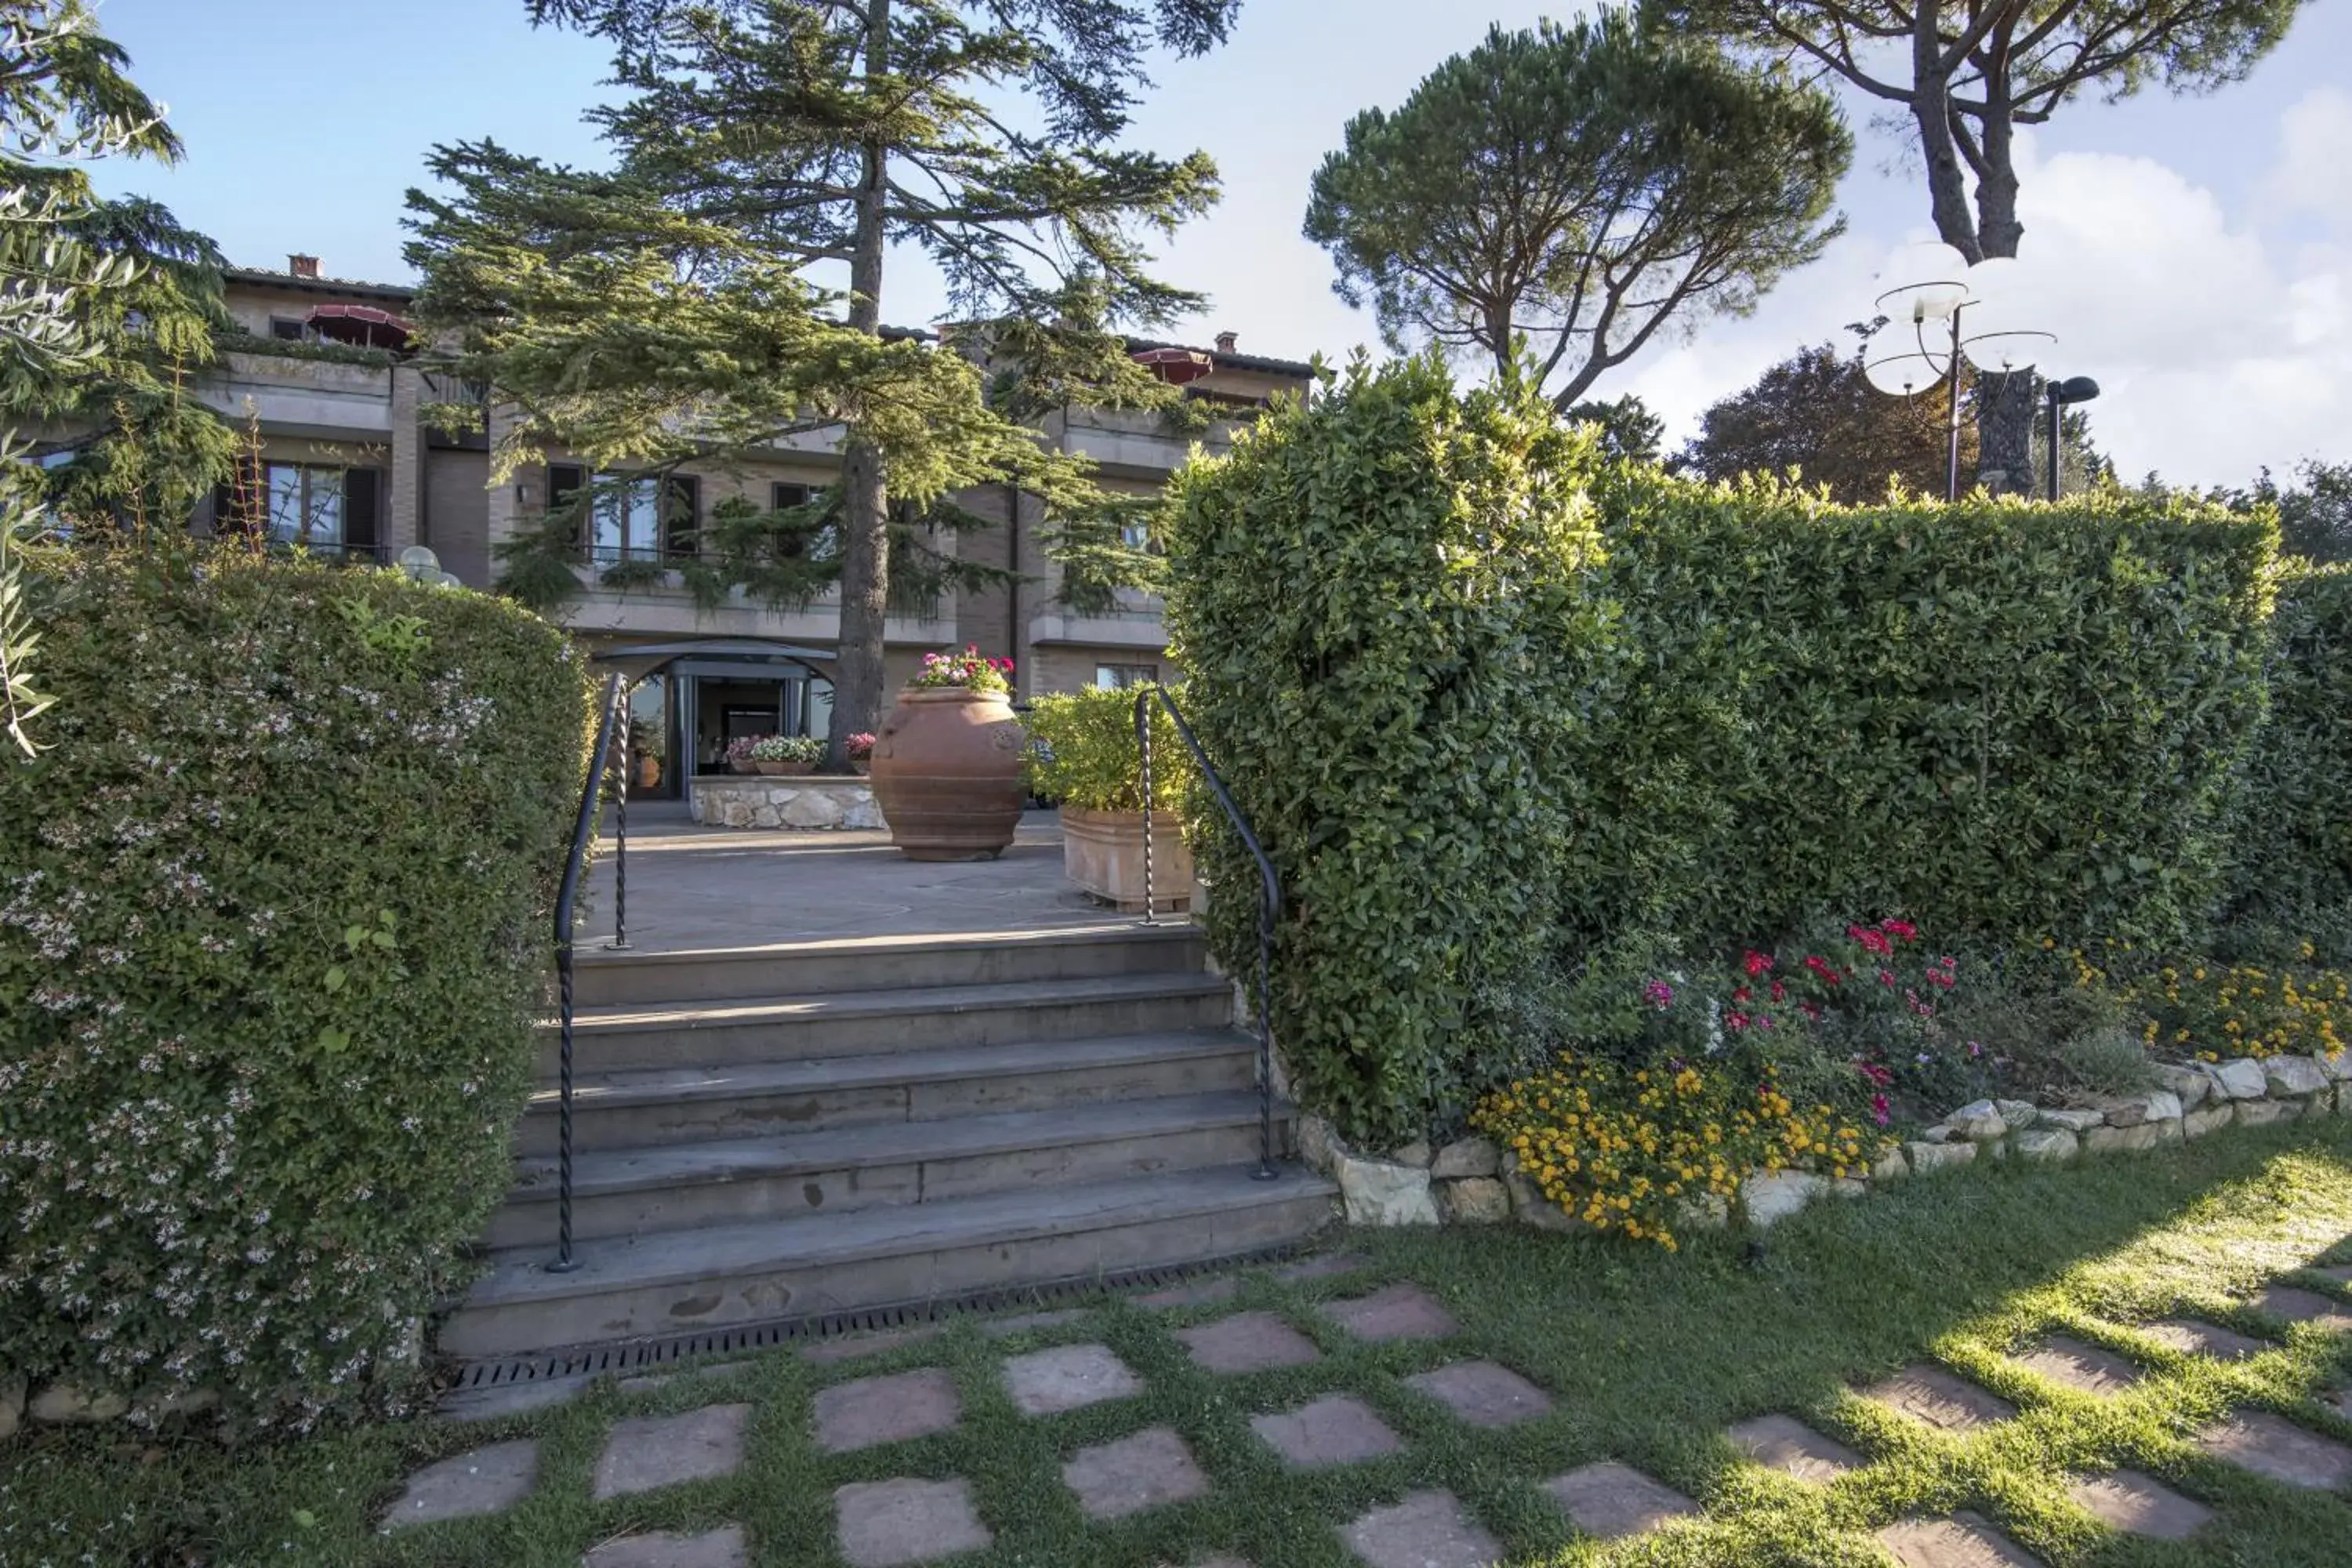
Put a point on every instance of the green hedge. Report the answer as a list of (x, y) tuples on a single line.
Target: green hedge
[(1996, 719), (273, 930), (1374, 601), (2292, 871)]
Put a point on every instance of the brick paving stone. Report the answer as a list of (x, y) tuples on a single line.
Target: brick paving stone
[(654, 1451), (1005, 1328), (2272, 1446), (1334, 1430), (1399, 1312), (849, 1347), (2140, 1505), (2190, 1337), (2084, 1368), (2291, 1305), (1931, 1394), (882, 1524), (1149, 1469), (482, 1481), (1247, 1341), (712, 1549), (1482, 1394), (1785, 1444), (1200, 1295), (1323, 1266), (1609, 1500), (892, 1409), (1424, 1530), (1963, 1541), (1066, 1377)]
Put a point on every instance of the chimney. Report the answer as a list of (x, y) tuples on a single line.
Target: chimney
[(302, 266), (1225, 342)]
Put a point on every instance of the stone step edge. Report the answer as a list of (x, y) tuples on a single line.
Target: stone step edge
[(518, 1277), (636, 1087), (869, 1144), (751, 1012), (886, 946)]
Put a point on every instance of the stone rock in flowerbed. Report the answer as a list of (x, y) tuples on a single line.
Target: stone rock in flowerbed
[(2337, 1065), (1891, 1167), (1532, 1207), (1377, 1193), (1415, 1154), (2187, 1082), (1708, 1211), (2158, 1105), (2211, 1119), (2293, 1076), (2141, 1135), (2050, 1145), (2016, 1114), (1319, 1146), (2261, 1112), (1772, 1197), (1470, 1157), (1925, 1158), (63, 1403), (2242, 1078), (1474, 1200), (2076, 1122), (1978, 1121)]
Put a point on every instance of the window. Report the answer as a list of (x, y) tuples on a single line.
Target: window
[(1135, 535), (331, 511), (1125, 677), (287, 329), (820, 544), (627, 520)]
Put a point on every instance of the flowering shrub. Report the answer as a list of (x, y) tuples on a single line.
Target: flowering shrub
[(807, 750), (2211, 1009), (1083, 752), (967, 669), (1638, 1149), (741, 749), (273, 936), (859, 748)]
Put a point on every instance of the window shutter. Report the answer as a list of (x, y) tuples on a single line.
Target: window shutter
[(682, 517), (360, 490)]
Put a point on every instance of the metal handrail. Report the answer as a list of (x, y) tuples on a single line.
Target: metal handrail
[(1269, 909), (584, 833)]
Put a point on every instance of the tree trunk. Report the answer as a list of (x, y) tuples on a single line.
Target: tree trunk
[(857, 686), (2005, 410), (2005, 404), (1931, 93)]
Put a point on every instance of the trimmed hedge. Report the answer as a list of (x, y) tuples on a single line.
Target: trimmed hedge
[(1996, 719), (1490, 706), (2292, 871), (1375, 601), (273, 932)]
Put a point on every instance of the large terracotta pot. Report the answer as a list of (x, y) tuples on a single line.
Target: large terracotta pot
[(1102, 852), (946, 774)]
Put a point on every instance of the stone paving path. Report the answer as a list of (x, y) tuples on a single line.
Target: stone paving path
[(917, 1518)]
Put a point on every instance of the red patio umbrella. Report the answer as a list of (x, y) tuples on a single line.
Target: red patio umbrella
[(362, 326)]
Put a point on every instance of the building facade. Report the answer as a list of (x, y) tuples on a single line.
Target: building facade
[(346, 463)]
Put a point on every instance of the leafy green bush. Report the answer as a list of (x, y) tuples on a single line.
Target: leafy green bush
[(1083, 752), (1995, 718), (2292, 878), (273, 932), (1377, 600)]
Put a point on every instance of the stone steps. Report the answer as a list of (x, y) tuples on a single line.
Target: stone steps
[(692, 1104), (716, 1277), (741, 1030), (626, 1191), (603, 977)]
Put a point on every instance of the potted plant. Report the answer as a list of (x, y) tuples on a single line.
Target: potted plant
[(947, 761), (860, 748), (1083, 755), (790, 755), (738, 755)]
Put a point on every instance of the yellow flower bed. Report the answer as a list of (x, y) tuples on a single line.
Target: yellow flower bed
[(1635, 1150), (2213, 1010)]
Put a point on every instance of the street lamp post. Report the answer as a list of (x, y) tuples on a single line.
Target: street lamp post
[(1939, 294), (2074, 389)]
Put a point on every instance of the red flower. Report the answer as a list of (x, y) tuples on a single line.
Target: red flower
[(1736, 1020), (1757, 965), (1779, 990), (1811, 1010), (1887, 977), (1741, 993), (1879, 1112), (1901, 930), (1872, 942), (1874, 1073), (1823, 968)]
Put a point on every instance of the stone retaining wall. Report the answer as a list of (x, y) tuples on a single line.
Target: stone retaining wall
[(776, 800), (1475, 1183)]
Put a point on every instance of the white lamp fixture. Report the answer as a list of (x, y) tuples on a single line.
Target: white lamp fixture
[(421, 564)]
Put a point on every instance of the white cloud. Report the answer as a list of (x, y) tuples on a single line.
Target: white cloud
[(2315, 167)]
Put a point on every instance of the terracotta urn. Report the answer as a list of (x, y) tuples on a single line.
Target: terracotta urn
[(763, 765), (1102, 852), (947, 772)]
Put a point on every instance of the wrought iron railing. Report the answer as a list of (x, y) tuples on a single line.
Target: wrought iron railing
[(1269, 909), (614, 714)]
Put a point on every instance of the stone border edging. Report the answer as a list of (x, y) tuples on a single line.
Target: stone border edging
[(1471, 1182), (783, 800)]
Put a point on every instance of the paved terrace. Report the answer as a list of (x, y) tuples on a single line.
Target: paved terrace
[(693, 887)]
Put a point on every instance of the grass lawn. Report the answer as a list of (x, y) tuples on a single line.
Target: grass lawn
[(1646, 1357)]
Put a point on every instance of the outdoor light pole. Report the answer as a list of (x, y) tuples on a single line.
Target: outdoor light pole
[(1935, 283), (2074, 389)]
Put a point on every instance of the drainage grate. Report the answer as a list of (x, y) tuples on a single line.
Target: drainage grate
[(581, 1362)]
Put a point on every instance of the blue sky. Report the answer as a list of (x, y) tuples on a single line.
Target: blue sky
[(2195, 254)]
